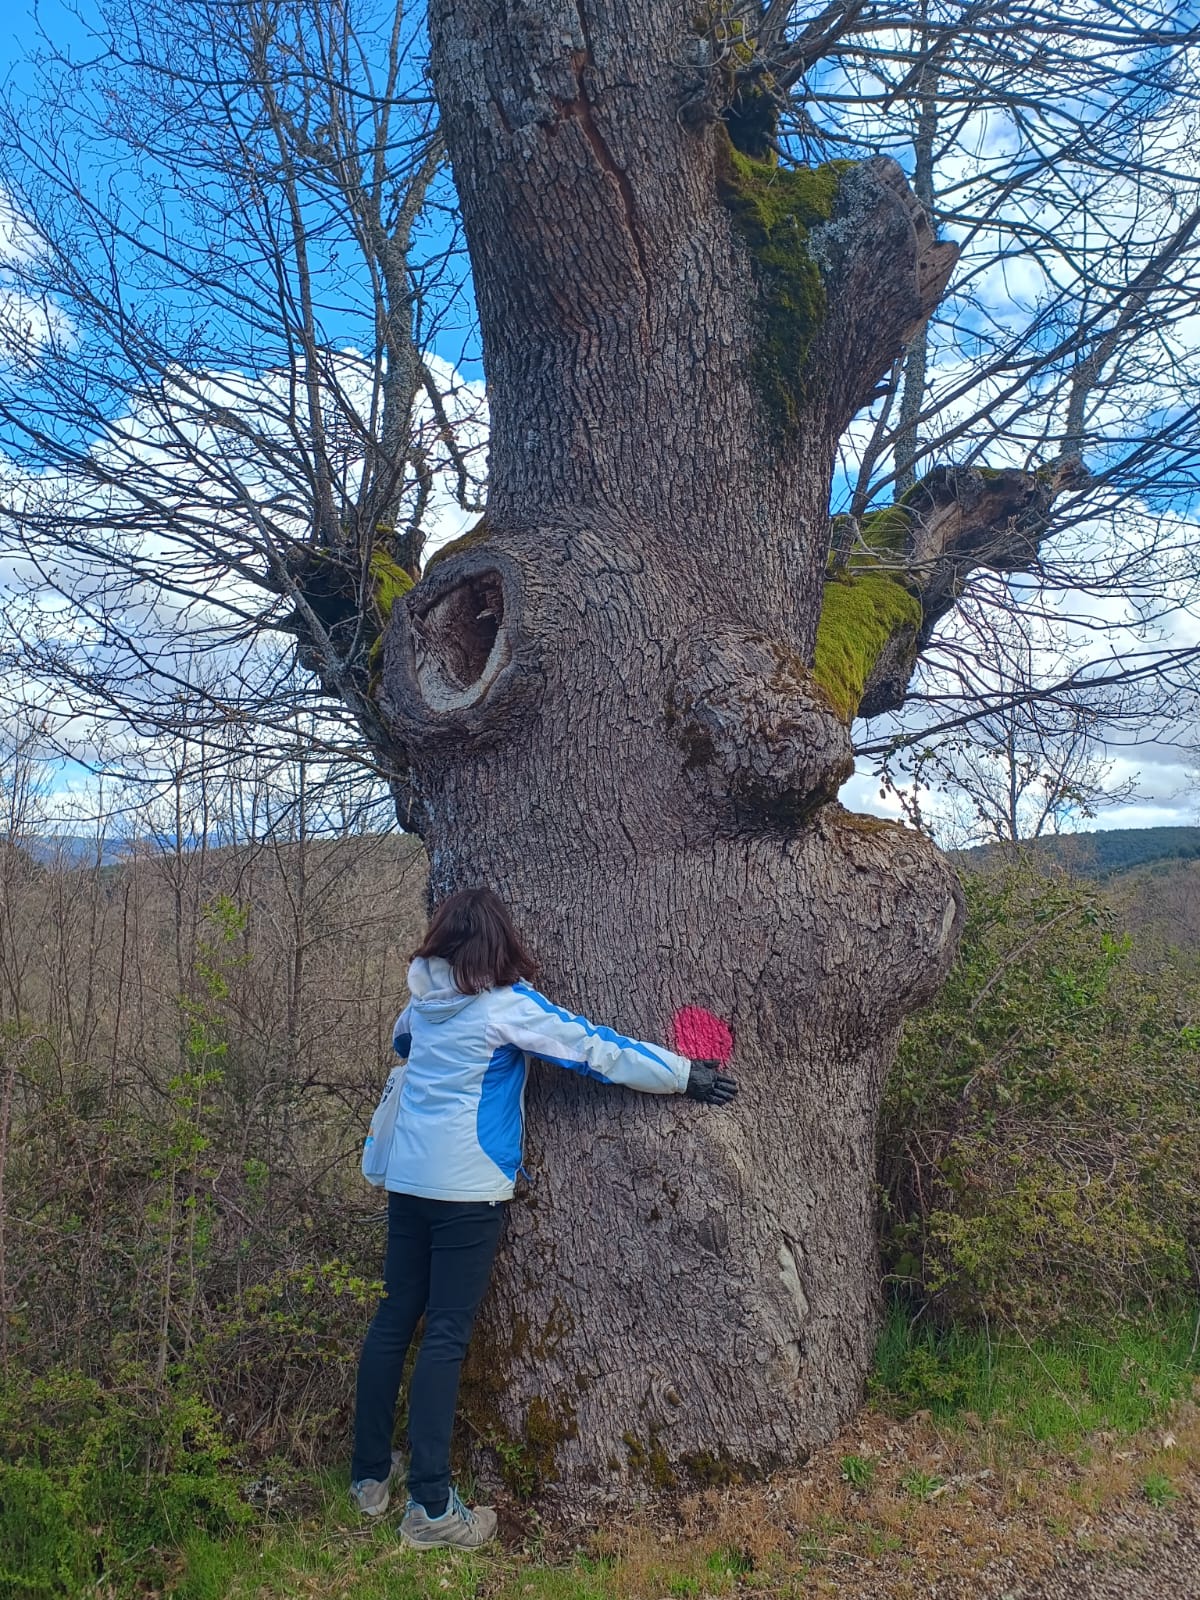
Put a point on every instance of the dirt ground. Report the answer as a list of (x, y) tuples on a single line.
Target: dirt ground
[(1160, 1561), (1146, 1554), (948, 1516)]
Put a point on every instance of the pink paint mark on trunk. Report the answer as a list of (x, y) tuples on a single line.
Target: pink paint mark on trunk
[(698, 1034)]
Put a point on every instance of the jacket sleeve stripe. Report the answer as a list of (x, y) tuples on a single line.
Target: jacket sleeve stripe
[(546, 1030)]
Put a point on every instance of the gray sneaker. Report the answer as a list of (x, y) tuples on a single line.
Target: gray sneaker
[(457, 1526), (372, 1497)]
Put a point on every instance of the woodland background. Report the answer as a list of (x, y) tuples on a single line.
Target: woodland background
[(240, 406), (193, 1035)]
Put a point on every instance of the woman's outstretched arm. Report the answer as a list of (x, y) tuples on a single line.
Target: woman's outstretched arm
[(540, 1028)]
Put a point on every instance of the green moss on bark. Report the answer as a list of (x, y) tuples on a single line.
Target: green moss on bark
[(545, 1430), (714, 1471), (773, 210), (389, 582), (886, 529), (859, 822), (860, 614), (473, 536), (527, 1457), (649, 1460)]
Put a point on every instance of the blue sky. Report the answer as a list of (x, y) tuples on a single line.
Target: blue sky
[(20, 33)]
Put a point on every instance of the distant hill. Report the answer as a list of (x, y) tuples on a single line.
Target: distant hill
[(76, 850), (1103, 854), (84, 849), (1099, 855)]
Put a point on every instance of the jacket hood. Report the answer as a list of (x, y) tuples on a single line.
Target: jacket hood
[(433, 990)]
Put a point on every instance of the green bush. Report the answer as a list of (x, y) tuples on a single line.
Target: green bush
[(283, 1362), (104, 1482), (1040, 1148), (43, 1550)]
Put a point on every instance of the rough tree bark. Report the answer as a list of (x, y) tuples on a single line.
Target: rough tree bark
[(608, 699)]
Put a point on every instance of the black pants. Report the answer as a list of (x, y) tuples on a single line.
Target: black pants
[(439, 1260)]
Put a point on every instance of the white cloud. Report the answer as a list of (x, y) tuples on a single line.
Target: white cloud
[(28, 320)]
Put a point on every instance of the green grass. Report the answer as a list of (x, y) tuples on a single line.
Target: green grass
[(1159, 1489), (1050, 1391), (920, 1485), (297, 1570), (1016, 1400), (858, 1472), (307, 1560), (333, 1554)]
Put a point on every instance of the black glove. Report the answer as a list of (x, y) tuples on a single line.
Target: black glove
[(708, 1084)]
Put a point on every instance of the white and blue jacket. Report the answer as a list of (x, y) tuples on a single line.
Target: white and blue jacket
[(460, 1119)]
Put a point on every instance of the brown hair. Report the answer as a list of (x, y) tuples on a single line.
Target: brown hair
[(473, 931)]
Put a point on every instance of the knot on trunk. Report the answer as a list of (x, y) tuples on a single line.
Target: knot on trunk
[(457, 663), (758, 735), (917, 897)]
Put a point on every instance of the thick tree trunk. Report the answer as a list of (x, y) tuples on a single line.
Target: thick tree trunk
[(607, 698)]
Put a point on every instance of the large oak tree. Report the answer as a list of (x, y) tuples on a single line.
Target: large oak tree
[(625, 698)]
